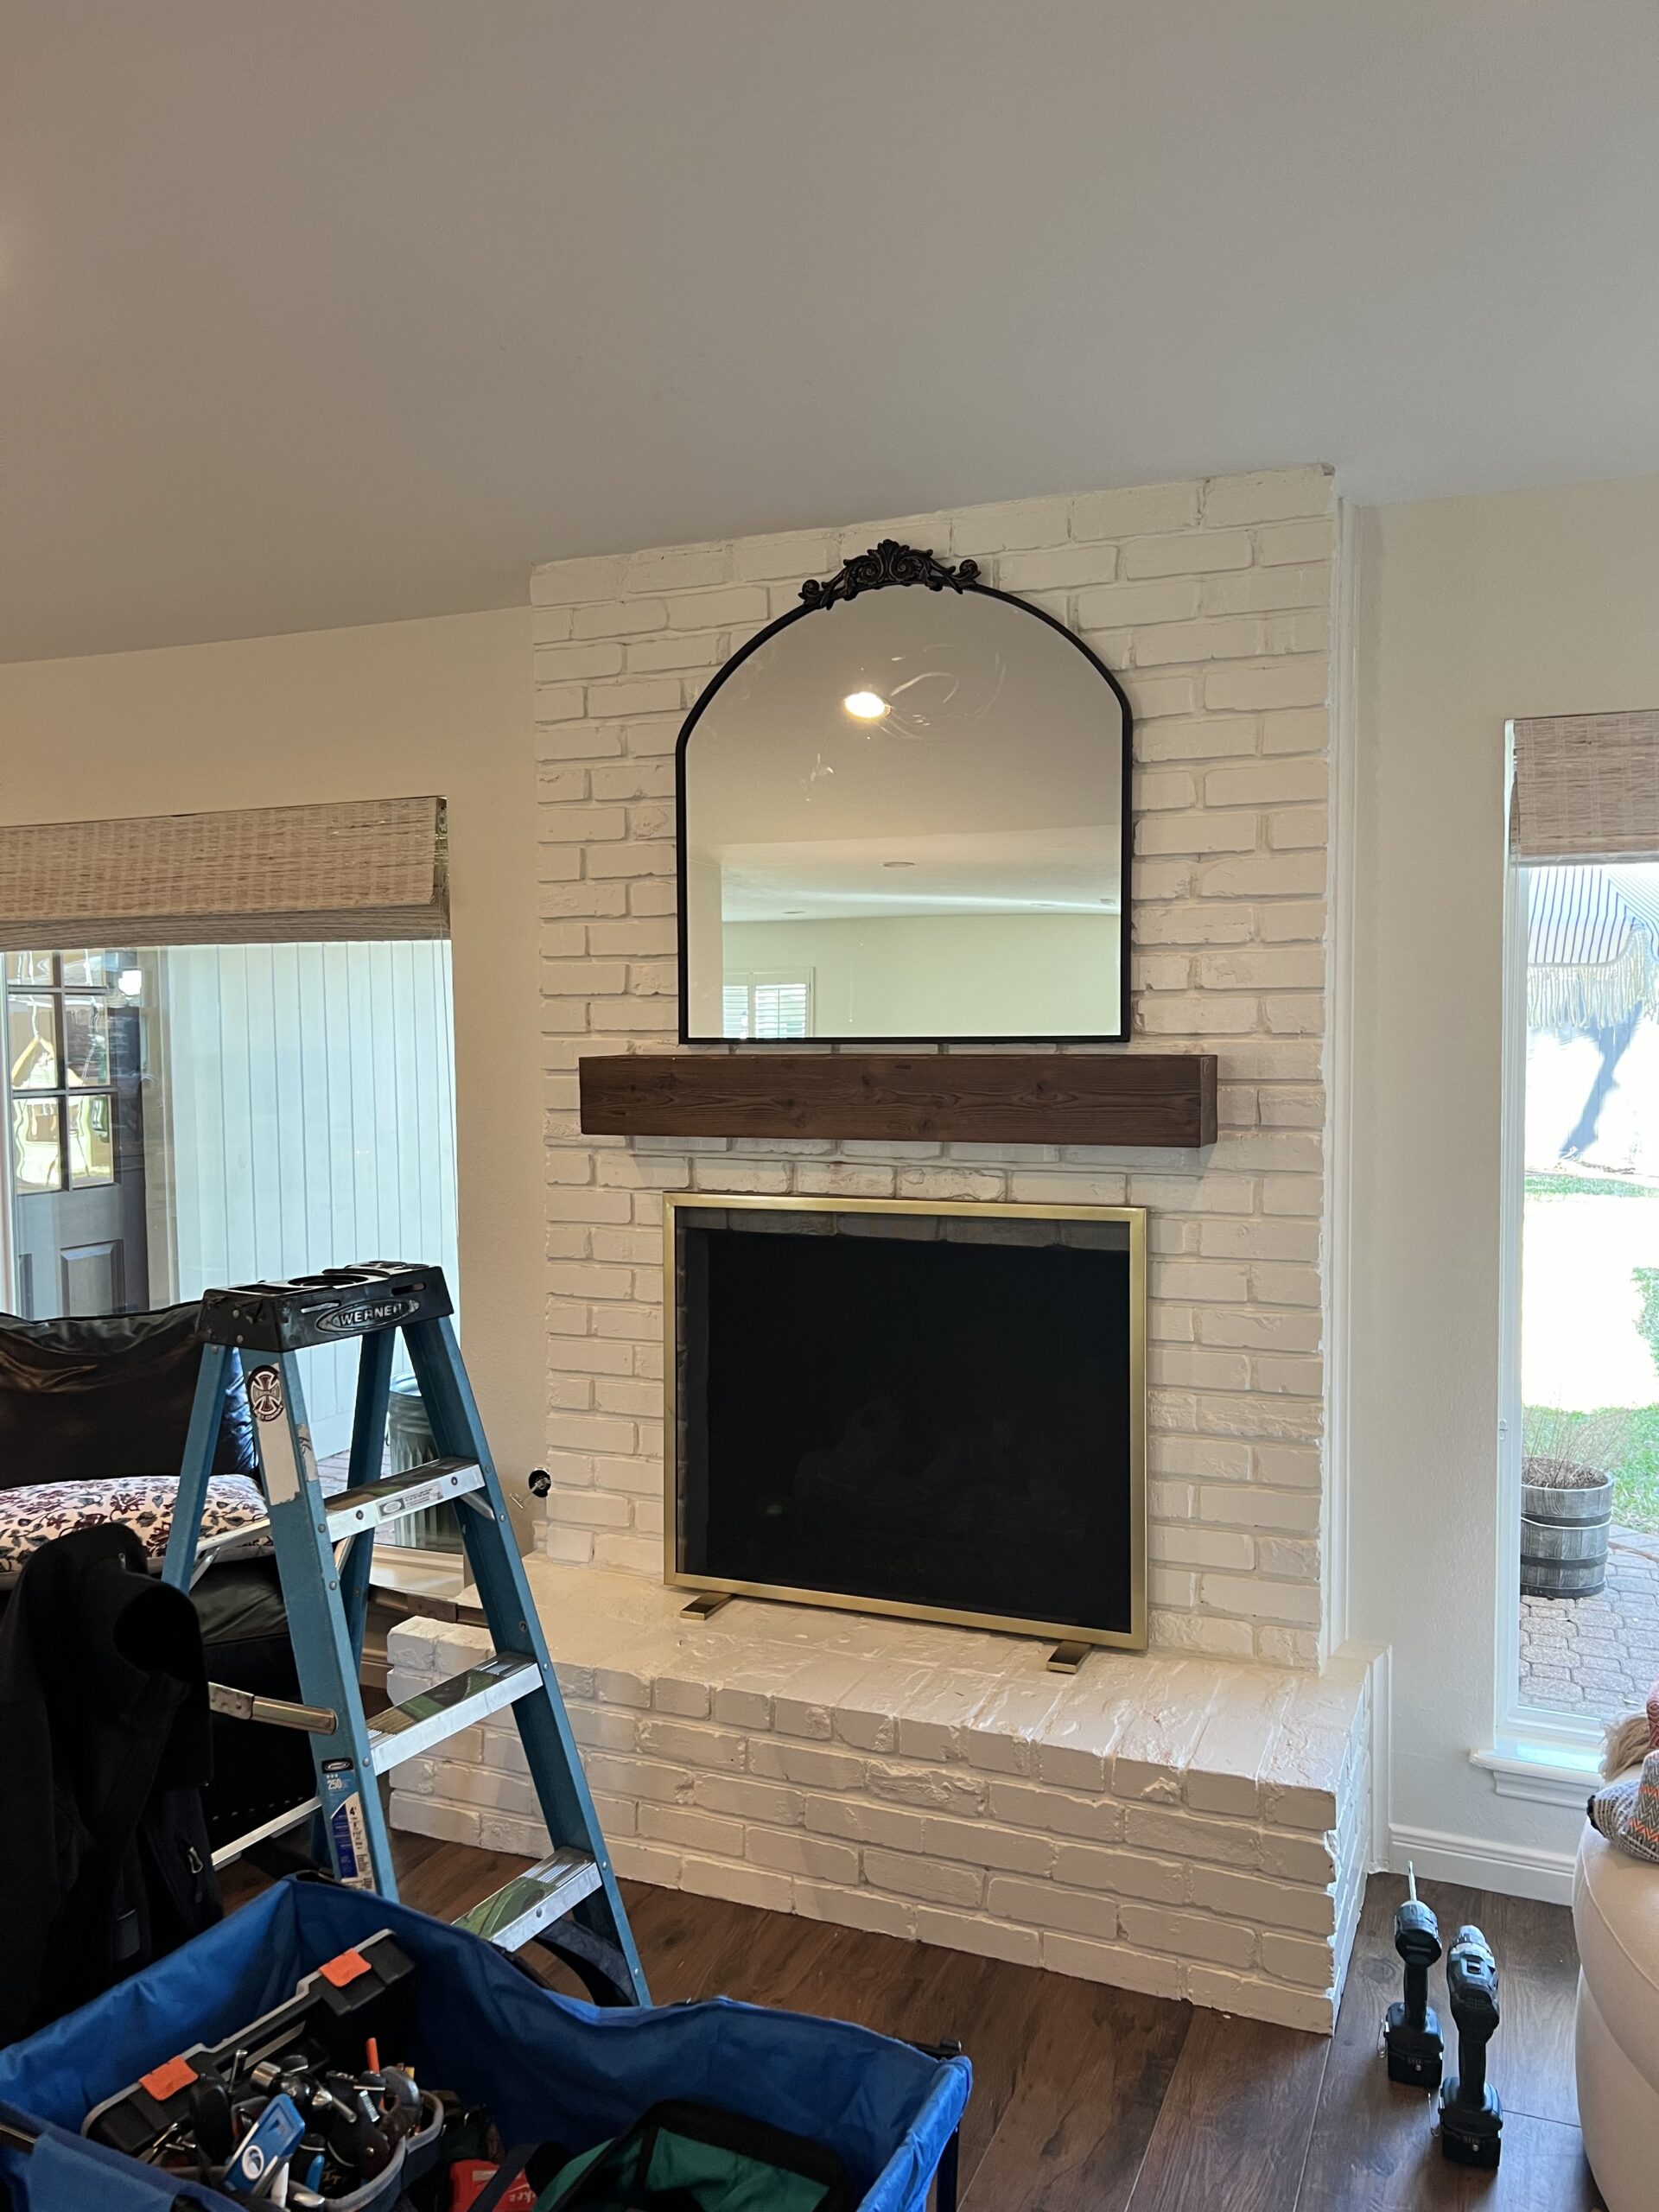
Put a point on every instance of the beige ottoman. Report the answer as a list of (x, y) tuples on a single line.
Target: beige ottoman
[(1615, 1917)]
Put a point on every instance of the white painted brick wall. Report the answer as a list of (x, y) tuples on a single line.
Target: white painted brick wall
[(1211, 602)]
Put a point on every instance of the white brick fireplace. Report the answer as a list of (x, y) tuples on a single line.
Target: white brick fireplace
[(1192, 1821)]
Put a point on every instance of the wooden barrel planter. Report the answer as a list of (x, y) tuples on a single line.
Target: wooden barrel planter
[(1564, 1529)]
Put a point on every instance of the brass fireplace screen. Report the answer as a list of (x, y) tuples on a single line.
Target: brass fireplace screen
[(890, 1406)]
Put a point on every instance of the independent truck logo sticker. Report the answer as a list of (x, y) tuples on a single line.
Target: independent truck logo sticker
[(266, 1394), (349, 1320)]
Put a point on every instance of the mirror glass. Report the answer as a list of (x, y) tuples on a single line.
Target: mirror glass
[(903, 819)]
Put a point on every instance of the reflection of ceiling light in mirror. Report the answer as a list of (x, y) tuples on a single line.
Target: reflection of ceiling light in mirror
[(130, 983), (865, 705)]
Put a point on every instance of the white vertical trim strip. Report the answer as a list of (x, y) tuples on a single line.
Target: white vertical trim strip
[(1506, 1682), (1338, 1076)]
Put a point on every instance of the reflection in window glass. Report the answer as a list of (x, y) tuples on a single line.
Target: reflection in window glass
[(85, 968), (91, 1146), (31, 1041), (86, 1040), (35, 1152), (28, 967)]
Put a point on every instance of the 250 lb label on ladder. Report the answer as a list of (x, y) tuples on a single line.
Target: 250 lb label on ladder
[(342, 1808)]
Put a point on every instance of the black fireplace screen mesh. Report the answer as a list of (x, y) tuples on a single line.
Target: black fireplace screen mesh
[(930, 1411)]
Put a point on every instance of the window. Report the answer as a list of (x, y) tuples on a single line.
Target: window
[(75, 1134), (265, 1089), (766, 1002), (199, 1115), (58, 1038), (1582, 1412)]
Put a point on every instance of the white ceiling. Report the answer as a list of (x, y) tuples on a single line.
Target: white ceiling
[(316, 315), (1072, 870)]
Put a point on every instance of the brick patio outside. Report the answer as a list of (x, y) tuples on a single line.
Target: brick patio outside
[(1597, 1655)]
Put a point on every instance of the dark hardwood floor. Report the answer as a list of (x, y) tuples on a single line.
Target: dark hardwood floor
[(1095, 2099)]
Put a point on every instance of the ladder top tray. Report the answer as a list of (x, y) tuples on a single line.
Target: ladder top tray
[(325, 1308)]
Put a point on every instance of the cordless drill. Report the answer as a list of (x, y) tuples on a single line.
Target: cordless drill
[(1472, 2120), (1411, 2030)]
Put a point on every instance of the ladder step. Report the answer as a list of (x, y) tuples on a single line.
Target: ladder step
[(532, 1900), (438, 1713), (436, 1483), (279, 1824)]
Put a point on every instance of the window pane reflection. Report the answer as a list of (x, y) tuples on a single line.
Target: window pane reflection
[(92, 1148), (86, 1040), (35, 1152), (28, 967), (85, 968), (31, 1041)]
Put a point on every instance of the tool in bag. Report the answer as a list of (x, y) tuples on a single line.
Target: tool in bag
[(364, 1992), (568, 1901), (295, 2107)]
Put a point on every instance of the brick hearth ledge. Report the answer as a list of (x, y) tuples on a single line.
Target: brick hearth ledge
[(1184, 1825)]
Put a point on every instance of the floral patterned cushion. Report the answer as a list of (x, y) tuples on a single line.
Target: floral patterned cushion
[(33, 1515)]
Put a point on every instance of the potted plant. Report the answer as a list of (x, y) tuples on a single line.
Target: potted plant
[(1566, 1499)]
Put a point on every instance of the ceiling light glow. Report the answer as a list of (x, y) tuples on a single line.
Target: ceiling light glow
[(865, 705)]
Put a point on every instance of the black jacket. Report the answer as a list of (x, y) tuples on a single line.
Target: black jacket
[(104, 1749)]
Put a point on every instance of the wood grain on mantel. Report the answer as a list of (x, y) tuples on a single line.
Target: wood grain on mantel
[(1166, 1099)]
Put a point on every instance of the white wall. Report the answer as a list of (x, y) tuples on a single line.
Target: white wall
[(307, 1114), (402, 709), (910, 976), (1472, 611)]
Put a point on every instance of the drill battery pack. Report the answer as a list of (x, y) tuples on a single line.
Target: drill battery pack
[(1470, 2134)]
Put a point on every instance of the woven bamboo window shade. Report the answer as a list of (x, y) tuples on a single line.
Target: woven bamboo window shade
[(361, 869), (1586, 788)]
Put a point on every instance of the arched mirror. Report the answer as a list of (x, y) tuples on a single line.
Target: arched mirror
[(903, 816)]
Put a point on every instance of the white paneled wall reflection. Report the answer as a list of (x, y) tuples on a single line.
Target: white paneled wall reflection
[(300, 1114)]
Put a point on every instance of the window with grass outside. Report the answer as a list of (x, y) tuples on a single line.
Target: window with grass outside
[(1585, 839)]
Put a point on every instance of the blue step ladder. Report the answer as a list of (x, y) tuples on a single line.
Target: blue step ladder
[(568, 1901)]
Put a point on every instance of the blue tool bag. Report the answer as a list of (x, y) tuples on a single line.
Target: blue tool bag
[(549, 2068)]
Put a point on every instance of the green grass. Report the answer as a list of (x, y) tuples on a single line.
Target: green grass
[(1564, 1185), (1635, 1474), (1636, 1477)]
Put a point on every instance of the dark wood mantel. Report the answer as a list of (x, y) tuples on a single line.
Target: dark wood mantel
[(1166, 1099)]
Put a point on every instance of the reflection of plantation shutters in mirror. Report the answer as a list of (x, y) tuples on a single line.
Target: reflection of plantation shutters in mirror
[(1586, 787), (765, 1006), (356, 869)]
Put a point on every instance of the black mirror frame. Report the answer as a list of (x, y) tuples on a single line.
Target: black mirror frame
[(884, 565)]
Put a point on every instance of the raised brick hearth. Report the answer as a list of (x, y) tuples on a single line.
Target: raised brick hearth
[(1184, 1826)]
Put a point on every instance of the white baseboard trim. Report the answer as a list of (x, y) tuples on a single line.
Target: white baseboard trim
[(1514, 1870)]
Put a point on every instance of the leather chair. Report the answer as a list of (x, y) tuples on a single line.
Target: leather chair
[(85, 1400)]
